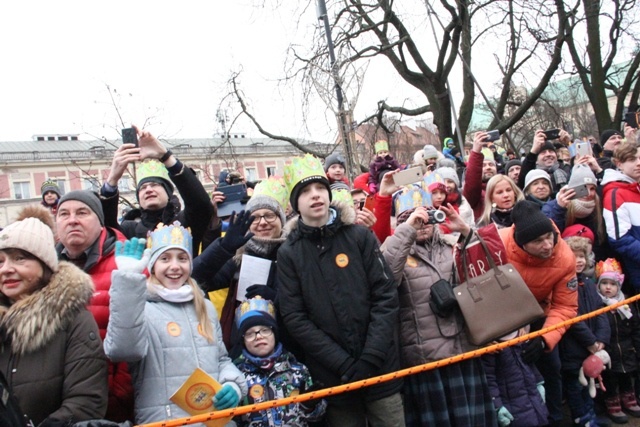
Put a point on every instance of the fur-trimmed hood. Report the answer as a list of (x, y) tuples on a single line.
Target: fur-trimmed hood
[(34, 321)]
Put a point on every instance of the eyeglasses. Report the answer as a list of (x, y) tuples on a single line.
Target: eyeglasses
[(150, 184), (269, 217), (253, 335)]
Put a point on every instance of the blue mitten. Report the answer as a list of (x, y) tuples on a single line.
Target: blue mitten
[(131, 255), (542, 391), (226, 398), (504, 416)]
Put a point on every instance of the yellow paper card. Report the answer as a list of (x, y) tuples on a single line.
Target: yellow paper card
[(196, 394)]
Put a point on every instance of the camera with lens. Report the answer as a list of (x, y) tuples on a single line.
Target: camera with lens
[(436, 216)]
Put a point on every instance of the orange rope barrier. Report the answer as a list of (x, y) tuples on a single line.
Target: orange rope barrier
[(382, 378)]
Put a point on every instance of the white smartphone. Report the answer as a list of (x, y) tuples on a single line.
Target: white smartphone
[(408, 176), (583, 149)]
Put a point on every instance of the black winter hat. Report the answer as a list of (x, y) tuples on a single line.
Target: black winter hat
[(608, 134), (529, 222), (510, 164), (257, 318), (548, 145)]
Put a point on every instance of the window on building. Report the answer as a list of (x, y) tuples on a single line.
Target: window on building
[(271, 170), (61, 185), (90, 184), (251, 174), (21, 190)]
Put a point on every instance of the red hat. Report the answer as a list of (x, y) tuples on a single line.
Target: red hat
[(437, 186), (579, 230)]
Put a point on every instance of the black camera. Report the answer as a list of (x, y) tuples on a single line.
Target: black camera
[(436, 216)]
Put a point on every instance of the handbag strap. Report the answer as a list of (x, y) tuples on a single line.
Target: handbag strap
[(486, 252)]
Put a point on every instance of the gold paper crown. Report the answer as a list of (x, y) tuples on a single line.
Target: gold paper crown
[(429, 178), (254, 304), (152, 168), (411, 196), (302, 169), (170, 235), (610, 265), (342, 196), (381, 146), (275, 188)]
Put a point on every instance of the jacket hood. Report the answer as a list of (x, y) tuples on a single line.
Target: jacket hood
[(34, 321), (612, 175)]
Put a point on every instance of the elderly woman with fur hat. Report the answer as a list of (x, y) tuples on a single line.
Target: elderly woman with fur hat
[(52, 354), (264, 219)]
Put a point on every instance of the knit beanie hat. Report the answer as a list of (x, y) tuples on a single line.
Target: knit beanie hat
[(87, 197), (510, 164), (535, 174), (334, 159), (49, 185), (582, 174), (604, 136), (437, 186), (449, 173), (430, 152), (529, 222), (301, 172), (445, 163), (32, 233)]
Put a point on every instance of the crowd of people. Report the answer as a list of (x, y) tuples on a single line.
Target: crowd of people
[(318, 282)]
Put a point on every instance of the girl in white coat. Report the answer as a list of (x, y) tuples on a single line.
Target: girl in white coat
[(164, 327)]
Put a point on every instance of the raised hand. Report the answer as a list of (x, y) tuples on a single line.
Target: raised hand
[(131, 255)]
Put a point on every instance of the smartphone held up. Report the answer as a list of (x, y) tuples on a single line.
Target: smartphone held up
[(130, 136)]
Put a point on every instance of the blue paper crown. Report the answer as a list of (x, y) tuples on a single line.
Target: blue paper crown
[(411, 196), (249, 308), (170, 235)]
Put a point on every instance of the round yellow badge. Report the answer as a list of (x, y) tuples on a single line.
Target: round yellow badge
[(342, 260), (256, 391), (199, 395), (412, 262), (173, 328)]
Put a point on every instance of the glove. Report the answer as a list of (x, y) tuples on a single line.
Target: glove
[(310, 405), (542, 391), (226, 398), (261, 290), (532, 350), (504, 416), (359, 371), (237, 231), (131, 255)]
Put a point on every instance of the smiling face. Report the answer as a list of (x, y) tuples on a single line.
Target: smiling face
[(266, 224), (488, 170), (547, 158), (172, 268), (313, 204), (152, 196), (581, 261), (20, 274), (540, 188)]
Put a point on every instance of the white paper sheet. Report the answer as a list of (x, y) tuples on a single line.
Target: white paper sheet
[(253, 271)]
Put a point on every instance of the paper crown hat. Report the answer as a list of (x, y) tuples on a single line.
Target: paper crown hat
[(275, 188), (411, 196), (381, 146), (166, 237), (152, 168), (254, 306), (610, 268), (342, 196), (303, 169)]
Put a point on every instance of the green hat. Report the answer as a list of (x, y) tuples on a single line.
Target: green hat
[(302, 171), (270, 194), (381, 146), (153, 171)]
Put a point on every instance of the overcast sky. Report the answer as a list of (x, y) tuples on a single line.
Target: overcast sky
[(169, 61)]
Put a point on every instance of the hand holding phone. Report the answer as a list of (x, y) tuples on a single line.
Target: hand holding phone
[(583, 149), (408, 176), (580, 191), (492, 135), (551, 134), (631, 118), (130, 136)]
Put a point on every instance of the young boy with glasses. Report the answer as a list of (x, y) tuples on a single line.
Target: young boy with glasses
[(271, 371)]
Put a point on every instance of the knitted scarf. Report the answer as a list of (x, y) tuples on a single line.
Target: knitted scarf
[(624, 310), (583, 208)]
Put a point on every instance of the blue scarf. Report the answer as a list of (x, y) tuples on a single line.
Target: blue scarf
[(265, 363)]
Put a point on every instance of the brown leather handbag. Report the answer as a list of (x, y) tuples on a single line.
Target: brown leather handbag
[(494, 303)]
